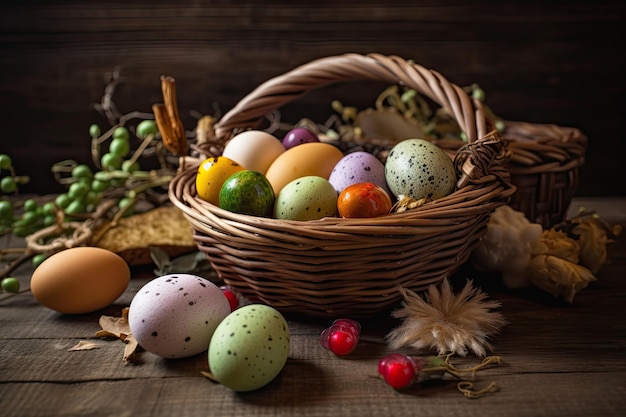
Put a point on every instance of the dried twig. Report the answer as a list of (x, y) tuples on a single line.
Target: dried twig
[(168, 119)]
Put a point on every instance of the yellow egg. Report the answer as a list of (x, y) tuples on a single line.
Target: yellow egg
[(80, 280), (307, 159), (254, 150), (211, 175)]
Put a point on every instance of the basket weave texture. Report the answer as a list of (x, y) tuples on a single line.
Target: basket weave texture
[(350, 267), (544, 165)]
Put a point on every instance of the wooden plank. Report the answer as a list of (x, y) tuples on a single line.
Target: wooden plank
[(574, 394)]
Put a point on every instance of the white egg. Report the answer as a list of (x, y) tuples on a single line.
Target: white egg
[(175, 315), (254, 150)]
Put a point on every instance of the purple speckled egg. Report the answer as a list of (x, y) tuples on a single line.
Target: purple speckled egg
[(297, 136), (175, 315), (358, 167)]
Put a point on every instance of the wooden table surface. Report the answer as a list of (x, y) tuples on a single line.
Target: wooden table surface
[(557, 360)]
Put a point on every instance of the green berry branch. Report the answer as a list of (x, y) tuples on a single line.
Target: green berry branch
[(98, 193)]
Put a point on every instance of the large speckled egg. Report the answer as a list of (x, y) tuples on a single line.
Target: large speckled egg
[(419, 169), (249, 348), (254, 149), (358, 167), (175, 315), (306, 198), (247, 192)]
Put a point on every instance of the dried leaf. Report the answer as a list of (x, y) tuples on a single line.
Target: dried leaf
[(131, 348), (160, 258), (592, 240), (85, 345), (555, 243), (114, 326), (389, 124), (118, 327), (194, 262)]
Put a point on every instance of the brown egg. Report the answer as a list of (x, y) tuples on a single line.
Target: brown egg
[(307, 159), (80, 280)]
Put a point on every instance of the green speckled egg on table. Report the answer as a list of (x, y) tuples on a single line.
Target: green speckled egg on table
[(249, 347)]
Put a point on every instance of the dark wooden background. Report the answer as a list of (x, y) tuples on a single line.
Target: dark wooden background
[(543, 62)]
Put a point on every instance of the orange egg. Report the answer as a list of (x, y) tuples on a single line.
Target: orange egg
[(307, 159), (80, 280), (364, 199)]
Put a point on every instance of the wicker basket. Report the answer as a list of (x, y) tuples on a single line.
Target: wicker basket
[(544, 165), (350, 267)]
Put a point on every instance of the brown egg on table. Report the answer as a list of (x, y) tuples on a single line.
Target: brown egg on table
[(80, 280)]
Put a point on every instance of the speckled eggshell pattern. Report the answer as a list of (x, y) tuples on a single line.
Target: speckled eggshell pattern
[(306, 198), (419, 169), (249, 348), (175, 315), (358, 167)]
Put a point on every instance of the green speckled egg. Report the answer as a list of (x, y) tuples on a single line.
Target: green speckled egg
[(249, 347), (306, 198), (247, 192), (419, 169)]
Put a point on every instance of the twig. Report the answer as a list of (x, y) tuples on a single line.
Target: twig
[(168, 120), (12, 266)]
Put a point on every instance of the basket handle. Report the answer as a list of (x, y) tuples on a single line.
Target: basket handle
[(282, 89)]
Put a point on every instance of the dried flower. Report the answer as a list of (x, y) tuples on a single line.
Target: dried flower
[(558, 276), (447, 322)]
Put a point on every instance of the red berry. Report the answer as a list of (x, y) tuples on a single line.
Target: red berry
[(399, 371), (233, 301), (342, 337), (341, 342)]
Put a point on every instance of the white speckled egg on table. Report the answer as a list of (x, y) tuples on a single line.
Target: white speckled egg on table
[(419, 169), (249, 348), (358, 167), (306, 198), (175, 315)]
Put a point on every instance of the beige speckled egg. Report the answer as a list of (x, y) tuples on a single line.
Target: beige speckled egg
[(80, 280), (419, 169), (249, 348)]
